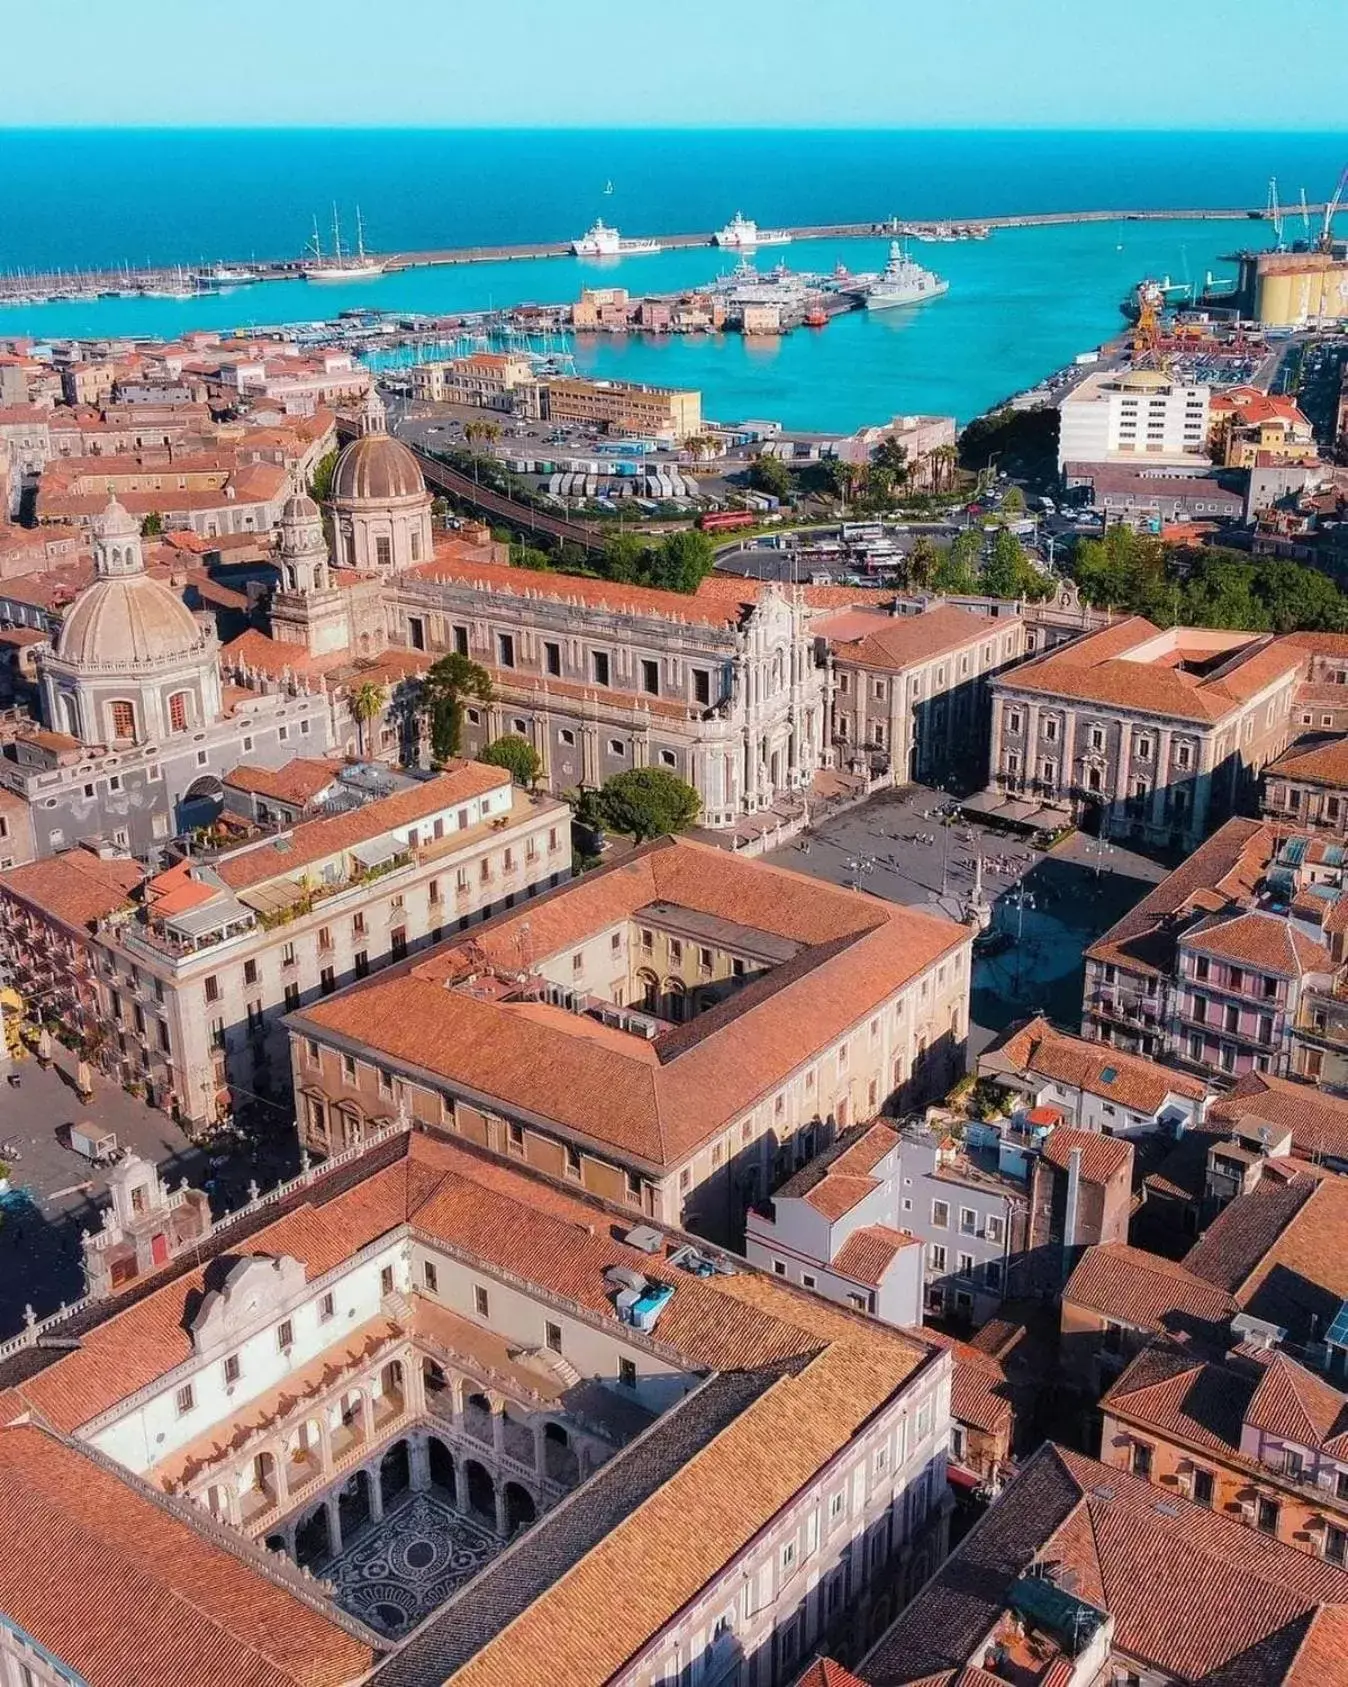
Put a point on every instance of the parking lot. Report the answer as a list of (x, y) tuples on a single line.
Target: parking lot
[(1049, 906)]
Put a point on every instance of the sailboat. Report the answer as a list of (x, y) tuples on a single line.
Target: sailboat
[(342, 266), (608, 187)]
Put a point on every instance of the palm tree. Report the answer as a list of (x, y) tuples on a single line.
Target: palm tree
[(446, 684), (944, 459), (366, 702), (483, 432), (846, 478)]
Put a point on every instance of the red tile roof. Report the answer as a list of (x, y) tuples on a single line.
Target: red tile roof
[(1039, 1048), (1102, 1157), (868, 1253), (1317, 1120), (653, 1102), (1314, 761), (1258, 939), (297, 782), (1144, 1291), (77, 888), (126, 1591), (900, 641)]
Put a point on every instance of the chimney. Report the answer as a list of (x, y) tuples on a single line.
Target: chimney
[(1069, 1223)]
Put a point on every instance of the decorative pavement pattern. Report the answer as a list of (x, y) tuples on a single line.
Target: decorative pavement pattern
[(402, 1568)]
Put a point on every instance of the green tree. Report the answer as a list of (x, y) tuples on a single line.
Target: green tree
[(1008, 572), (366, 702), (648, 802), (1013, 501), (889, 454), (920, 565), (844, 478), (957, 568), (517, 756), (770, 475), (625, 558), (528, 556), (478, 433), (152, 526), (682, 561), (447, 682), (320, 482)]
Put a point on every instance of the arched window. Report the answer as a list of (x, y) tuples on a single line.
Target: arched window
[(178, 712), (123, 717)]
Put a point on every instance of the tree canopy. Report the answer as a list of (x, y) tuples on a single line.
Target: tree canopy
[(517, 756), (1008, 572), (957, 568), (770, 475), (647, 802), (320, 483), (1206, 587), (447, 682)]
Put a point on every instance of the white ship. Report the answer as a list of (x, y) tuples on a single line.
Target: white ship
[(226, 275), (739, 231), (903, 282), (341, 266), (601, 241)]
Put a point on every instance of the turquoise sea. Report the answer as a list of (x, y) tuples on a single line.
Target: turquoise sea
[(1020, 303)]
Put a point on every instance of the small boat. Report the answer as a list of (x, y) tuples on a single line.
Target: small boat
[(816, 317)]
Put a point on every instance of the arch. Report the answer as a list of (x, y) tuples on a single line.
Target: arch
[(559, 1456), (676, 999), (649, 986), (275, 1543), (478, 1418), (395, 1471), (217, 1501), (433, 1378), (520, 1510), (353, 1503), (312, 1538), (391, 1378), (441, 1464), (479, 1491)]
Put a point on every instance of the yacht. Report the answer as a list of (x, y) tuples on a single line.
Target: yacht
[(226, 275), (903, 282), (601, 241), (740, 231), (341, 266)]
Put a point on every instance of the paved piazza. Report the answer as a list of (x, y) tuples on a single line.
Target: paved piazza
[(401, 1569)]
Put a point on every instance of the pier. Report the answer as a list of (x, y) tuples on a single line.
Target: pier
[(89, 283)]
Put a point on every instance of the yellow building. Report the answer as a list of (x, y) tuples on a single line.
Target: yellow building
[(625, 407)]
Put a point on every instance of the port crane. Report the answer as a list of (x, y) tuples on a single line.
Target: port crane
[(1326, 240), (1273, 212)]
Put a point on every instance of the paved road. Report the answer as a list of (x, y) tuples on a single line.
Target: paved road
[(1072, 895)]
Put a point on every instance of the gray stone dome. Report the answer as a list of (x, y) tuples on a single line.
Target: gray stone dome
[(376, 469)]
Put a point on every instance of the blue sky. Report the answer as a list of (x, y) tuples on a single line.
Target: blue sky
[(1174, 64)]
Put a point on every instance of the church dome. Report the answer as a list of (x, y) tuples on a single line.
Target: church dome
[(128, 621), (300, 507), (376, 469)]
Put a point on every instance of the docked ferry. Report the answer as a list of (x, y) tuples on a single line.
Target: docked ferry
[(742, 232), (601, 241), (903, 282)]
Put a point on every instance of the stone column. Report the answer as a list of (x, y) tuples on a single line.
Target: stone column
[(500, 1510), (282, 1482), (1123, 764), (995, 756), (376, 1495), (1067, 778), (497, 1428), (539, 1448), (334, 1524), (1158, 797), (366, 1417), (325, 1442), (420, 1462)]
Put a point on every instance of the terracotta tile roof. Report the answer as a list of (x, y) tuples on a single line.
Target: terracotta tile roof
[(1243, 1233), (1137, 1083), (315, 840), (1101, 669), (1243, 1591), (857, 952), (868, 1253), (899, 641), (1296, 1405), (980, 1394), (1300, 1280), (127, 1592), (1317, 1120), (77, 888), (1172, 1391), (1229, 864), (298, 781), (1258, 939), (1182, 1173), (823, 1672), (1315, 761), (1146, 1292), (1102, 1157)]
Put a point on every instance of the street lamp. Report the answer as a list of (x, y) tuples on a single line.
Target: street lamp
[(860, 866), (1020, 899)]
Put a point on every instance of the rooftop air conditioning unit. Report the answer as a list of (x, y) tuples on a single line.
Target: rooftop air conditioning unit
[(646, 1238)]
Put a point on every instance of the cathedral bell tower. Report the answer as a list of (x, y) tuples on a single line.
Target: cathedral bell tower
[(308, 608)]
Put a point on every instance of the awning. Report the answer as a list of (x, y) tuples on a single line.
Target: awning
[(958, 1478), (211, 916), (378, 850)]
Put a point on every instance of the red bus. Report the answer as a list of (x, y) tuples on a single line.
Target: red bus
[(717, 521)]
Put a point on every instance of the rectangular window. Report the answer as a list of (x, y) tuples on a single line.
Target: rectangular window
[(505, 650), (1203, 1487), (285, 1335), (429, 1276), (232, 1370), (968, 1222), (573, 1166), (940, 1214), (212, 989), (650, 678), (185, 1400), (481, 1301), (552, 659), (386, 1280), (599, 667), (1142, 1458), (552, 1335), (627, 1373), (326, 1308), (701, 686), (1266, 1516), (461, 641)]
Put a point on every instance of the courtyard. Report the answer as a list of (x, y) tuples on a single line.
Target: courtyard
[(1047, 907)]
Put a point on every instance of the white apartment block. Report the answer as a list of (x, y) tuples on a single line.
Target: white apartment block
[(1133, 416)]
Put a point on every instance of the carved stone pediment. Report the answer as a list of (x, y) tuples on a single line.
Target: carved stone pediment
[(257, 1290)]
